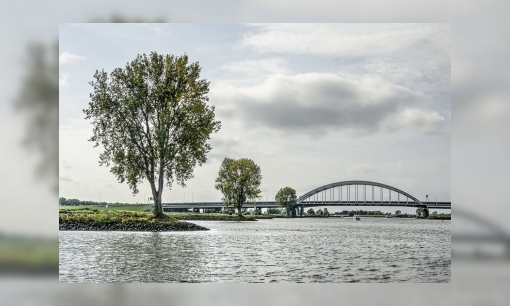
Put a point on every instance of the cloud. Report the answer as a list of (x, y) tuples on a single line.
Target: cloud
[(223, 147), (414, 55), (350, 39), (251, 67), (315, 103), (427, 122), (67, 57), (64, 59)]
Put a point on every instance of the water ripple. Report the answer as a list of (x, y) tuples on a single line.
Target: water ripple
[(278, 250)]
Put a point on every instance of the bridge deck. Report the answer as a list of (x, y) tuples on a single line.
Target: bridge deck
[(272, 204)]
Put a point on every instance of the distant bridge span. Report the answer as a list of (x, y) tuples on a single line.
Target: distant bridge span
[(320, 194), (337, 194), (316, 191)]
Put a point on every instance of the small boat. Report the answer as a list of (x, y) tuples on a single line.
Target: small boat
[(389, 216), (356, 217)]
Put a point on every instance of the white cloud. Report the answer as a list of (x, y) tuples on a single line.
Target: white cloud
[(314, 103), (257, 67), (67, 57), (414, 55), (427, 122), (64, 59), (350, 39)]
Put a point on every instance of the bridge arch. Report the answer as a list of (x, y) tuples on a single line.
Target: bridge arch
[(350, 183)]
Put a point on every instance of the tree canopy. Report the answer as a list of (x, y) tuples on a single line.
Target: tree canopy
[(152, 120), (239, 181), (286, 197)]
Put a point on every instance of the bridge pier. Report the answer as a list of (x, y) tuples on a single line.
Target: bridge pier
[(425, 213), (301, 209), (291, 213)]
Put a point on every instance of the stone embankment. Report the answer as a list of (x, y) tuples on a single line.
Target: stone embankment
[(130, 226)]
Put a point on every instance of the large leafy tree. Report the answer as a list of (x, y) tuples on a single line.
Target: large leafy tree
[(239, 181), (153, 121), (286, 197)]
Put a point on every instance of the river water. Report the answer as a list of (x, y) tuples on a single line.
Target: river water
[(277, 250)]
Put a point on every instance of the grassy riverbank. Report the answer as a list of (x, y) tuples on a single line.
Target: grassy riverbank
[(114, 207), (95, 209), (89, 220)]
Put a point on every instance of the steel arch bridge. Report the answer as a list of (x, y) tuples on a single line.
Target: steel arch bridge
[(319, 196), (340, 194)]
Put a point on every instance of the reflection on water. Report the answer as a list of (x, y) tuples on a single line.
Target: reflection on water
[(278, 250)]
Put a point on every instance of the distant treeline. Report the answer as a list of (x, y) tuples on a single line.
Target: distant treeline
[(360, 212), (75, 202), (398, 214)]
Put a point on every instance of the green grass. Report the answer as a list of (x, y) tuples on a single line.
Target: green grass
[(94, 220), (133, 208), (96, 213), (112, 216)]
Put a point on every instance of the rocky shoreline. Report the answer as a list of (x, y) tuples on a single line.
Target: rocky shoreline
[(130, 226)]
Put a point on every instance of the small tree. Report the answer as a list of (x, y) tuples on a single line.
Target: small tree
[(239, 181), (419, 211), (319, 212), (326, 212), (310, 212), (153, 121), (286, 197), (398, 212), (434, 213)]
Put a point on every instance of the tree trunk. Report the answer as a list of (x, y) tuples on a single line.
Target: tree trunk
[(239, 208), (158, 208), (158, 194)]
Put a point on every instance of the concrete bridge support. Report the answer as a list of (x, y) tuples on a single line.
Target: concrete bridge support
[(301, 210), (291, 213), (425, 213)]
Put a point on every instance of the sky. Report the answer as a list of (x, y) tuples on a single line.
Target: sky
[(311, 104)]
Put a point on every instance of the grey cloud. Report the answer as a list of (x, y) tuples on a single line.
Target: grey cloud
[(222, 148), (312, 103)]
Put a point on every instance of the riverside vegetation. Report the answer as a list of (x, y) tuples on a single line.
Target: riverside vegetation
[(133, 218), (87, 220), (101, 219)]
